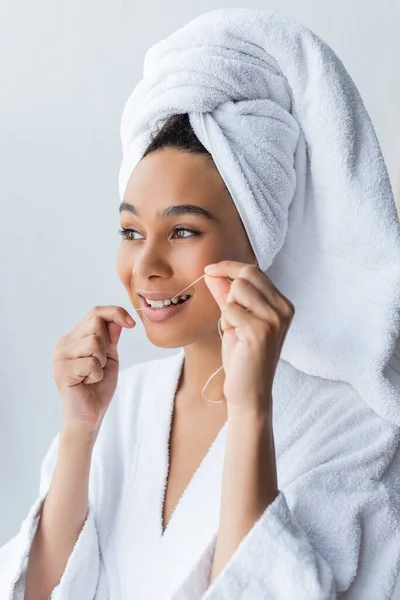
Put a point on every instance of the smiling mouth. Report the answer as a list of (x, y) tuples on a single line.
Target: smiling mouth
[(181, 300)]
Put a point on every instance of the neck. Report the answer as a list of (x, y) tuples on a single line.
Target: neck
[(201, 360)]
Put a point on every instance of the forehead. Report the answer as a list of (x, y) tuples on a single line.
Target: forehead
[(172, 177)]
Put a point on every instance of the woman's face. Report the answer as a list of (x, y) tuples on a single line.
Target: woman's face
[(167, 253)]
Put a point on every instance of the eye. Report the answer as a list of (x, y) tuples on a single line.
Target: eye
[(124, 233), (185, 229)]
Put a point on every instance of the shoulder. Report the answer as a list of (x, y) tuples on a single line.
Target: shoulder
[(324, 426)]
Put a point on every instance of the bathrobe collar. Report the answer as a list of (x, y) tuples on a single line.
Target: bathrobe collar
[(193, 525)]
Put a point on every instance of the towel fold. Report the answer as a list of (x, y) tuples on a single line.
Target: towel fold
[(291, 138)]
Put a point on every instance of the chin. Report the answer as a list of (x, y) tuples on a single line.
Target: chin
[(167, 340), (171, 339)]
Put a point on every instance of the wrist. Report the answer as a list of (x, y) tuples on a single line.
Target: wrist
[(78, 434), (253, 414)]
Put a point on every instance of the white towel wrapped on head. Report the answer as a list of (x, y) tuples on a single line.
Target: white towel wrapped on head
[(291, 138)]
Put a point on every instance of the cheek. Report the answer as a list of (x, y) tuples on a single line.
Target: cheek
[(124, 266)]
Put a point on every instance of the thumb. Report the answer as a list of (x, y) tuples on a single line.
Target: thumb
[(219, 288)]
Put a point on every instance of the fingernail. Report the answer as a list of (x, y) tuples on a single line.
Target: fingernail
[(210, 267), (129, 320)]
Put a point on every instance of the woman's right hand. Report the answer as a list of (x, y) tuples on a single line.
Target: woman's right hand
[(86, 366)]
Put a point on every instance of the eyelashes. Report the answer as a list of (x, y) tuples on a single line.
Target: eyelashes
[(125, 231)]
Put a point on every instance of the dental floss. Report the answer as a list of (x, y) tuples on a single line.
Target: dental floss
[(176, 296), (220, 335)]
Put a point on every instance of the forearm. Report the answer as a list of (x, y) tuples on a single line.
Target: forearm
[(63, 515), (249, 481)]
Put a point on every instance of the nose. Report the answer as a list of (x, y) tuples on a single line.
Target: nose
[(144, 269)]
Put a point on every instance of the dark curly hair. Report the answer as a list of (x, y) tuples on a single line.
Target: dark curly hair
[(176, 132)]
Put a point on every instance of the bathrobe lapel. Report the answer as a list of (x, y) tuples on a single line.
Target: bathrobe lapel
[(194, 523)]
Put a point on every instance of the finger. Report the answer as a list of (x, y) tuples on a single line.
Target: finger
[(225, 268), (114, 317), (260, 281), (244, 293), (109, 331), (248, 327), (88, 346), (116, 314), (88, 327), (219, 288), (76, 370)]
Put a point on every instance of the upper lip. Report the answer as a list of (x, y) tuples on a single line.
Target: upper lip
[(158, 295)]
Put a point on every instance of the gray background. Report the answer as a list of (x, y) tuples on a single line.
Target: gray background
[(66, 70)]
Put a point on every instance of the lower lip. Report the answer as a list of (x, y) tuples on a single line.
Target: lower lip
[(161, 314)]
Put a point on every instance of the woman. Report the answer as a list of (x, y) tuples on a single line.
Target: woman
[(163, 482)]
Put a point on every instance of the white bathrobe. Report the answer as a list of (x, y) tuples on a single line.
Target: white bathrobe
[(333, 531)]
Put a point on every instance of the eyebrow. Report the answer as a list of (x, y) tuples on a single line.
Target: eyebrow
[(172, 211)]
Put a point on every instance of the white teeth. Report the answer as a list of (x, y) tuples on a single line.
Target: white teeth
[(162, 303)]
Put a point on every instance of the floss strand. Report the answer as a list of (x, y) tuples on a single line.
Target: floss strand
[(220, 335)]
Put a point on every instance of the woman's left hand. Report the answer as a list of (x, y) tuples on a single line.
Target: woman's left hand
[(255, 318)]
